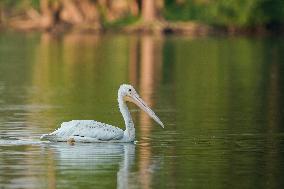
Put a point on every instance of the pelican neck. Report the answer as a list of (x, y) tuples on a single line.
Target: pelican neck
[(129, 125)]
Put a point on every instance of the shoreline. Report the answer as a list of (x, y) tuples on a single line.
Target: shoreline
[(189, 28)]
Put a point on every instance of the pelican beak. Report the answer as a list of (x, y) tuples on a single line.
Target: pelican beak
[(139, 102)]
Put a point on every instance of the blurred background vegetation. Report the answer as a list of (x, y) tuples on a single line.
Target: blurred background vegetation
[(239, 13), (232, 15)]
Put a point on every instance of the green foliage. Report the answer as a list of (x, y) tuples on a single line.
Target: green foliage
[(35, 3), (239, 13), (15, 6), (128, 20)]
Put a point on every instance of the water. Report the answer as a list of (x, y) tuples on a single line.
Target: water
[(220, 98)]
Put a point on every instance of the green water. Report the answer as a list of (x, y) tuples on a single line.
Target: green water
[(220, 98)]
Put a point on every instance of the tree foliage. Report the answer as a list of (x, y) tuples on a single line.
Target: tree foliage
[(239, 13)]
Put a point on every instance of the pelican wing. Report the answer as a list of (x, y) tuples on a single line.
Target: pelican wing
[(85, 131)]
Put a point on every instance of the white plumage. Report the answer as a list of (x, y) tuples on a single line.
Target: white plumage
[(85, 131), (94, 131)]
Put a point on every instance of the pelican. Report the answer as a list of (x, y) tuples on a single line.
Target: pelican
[(94, 131)]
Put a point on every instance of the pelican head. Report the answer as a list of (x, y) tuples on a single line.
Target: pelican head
[(128, 93)]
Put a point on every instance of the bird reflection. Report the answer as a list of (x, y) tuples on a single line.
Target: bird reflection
[(123, 176), (98, 158)]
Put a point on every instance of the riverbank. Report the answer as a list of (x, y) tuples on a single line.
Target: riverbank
[(37, 23), (157, 27)]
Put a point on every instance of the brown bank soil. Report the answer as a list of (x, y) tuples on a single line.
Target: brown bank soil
[(156, 27)]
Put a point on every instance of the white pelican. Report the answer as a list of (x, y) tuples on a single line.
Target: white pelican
[(94, 131)]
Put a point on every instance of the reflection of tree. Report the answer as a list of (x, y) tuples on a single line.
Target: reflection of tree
[(74, 74), (149, 74), (51, 170), (274, 100), (133, 61)]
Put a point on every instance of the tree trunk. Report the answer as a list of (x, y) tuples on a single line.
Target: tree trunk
[(49, 12), (149, 10)]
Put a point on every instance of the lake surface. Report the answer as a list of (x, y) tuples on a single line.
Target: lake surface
[(220, 98)]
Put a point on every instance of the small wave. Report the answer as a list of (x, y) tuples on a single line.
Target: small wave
[(15, 141)]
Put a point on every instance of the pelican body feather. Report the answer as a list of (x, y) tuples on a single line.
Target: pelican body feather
[(85, 131)]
